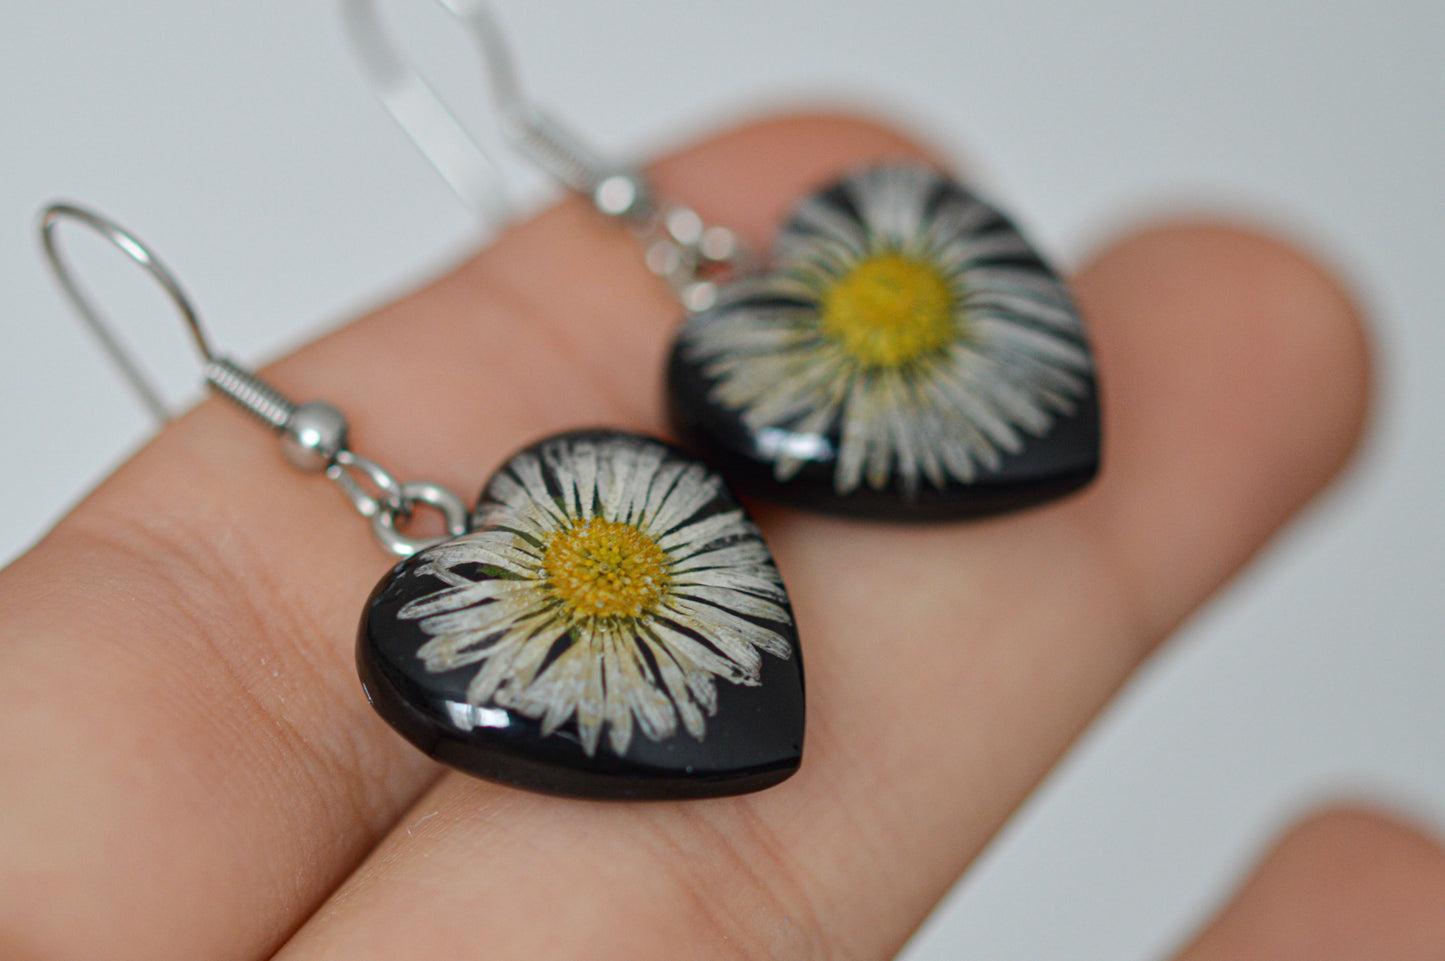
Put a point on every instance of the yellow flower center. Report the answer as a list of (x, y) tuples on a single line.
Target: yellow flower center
[(889, 310), (601, 568)]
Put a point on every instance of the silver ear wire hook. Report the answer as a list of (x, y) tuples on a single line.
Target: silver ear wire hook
[(313, 435), (245, 389), (94, 321), (690, 255), (441, 137), (462, 162)]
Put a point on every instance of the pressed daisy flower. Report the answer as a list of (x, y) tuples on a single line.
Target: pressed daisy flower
[(609, 582), (908, 333)]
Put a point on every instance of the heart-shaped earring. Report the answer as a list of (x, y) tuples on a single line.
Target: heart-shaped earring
[(609, 581), (607, 622), (906, 355)]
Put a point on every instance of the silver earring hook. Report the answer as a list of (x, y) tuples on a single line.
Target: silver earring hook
[(95, 321), (693, 257), (462, 162), (313, 435)]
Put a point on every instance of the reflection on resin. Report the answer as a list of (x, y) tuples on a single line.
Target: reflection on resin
[(465, 717), (776, 443)]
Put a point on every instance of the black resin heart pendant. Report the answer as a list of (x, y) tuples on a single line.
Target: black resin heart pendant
[(908, 356), (613, 626)]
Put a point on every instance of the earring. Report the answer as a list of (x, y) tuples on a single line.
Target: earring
[(606, 622), (908, 355), (905, 355)]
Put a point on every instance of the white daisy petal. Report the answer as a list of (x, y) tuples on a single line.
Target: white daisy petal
[(749, 553), (500, 656), (640, 695), (1022, 305), (967, 384), (557, 458), (483, 618), (447, 652), (900, 416), (662, 487), (751, 327), (614, 478), (505, 524), (693, 489), (735, 638), (802, 289), (784, 386), (529, 658), (1015, 402), (958, 218), (891, 201), (506, 490), (817, 218), (827, 262), (873, 421), (734, 600), (961, 252), (517, 656), (687, 540), (649, 462), (762, 582), (453, 598), (956, 440), (1053, 351), (591, 707), (502, 549), (928, 425), (572, 684), (529, 471), (1058, 389), (1022, 282), (582, 463), (700, 663), (617, 707), (853, 444), (675, 680)]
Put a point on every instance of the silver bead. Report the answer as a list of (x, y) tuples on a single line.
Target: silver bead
[(313, 435), (623, 195)]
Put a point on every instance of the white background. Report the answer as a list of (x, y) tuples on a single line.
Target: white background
[(240, 140)]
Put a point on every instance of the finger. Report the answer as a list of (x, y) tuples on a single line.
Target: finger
[(948, 666), (187, 764), (1281, 382), (1344, 885)]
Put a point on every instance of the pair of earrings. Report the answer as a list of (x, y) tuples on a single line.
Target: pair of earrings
[(607, 621)]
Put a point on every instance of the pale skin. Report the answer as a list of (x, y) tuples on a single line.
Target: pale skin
[(214, 785)]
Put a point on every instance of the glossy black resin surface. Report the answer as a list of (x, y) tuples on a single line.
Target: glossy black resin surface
[(1064, 460), (543, 650), (909, 356)]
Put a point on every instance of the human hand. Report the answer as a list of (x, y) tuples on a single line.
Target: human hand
[(190, 770)]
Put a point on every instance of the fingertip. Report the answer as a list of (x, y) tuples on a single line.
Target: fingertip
[(1344, 882), (1284, 316), (1236, 379)]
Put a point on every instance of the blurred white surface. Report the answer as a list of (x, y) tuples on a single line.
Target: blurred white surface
[(240, 140)]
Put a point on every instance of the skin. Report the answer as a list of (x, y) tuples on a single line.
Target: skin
[(1344, 884), (214, 785)]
